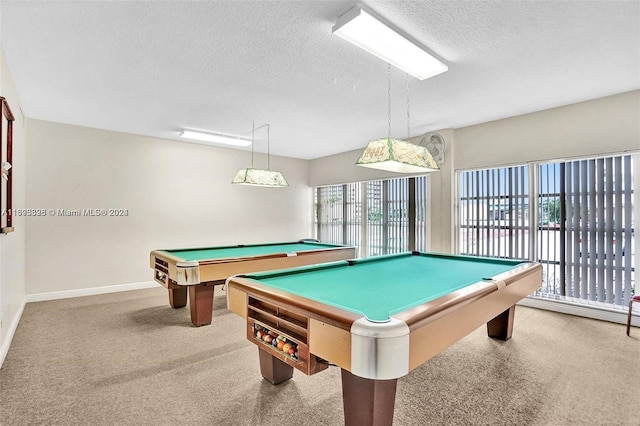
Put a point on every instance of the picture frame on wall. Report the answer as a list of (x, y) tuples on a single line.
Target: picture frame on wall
[(6, 167)]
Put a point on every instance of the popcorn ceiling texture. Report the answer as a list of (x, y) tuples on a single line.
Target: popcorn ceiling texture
[(152, 68)]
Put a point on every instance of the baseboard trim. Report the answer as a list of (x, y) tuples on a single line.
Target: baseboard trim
[(92, 291), (54, 295), (594, 312), (12, 330)]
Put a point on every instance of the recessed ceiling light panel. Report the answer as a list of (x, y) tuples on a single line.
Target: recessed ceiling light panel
[(215, 138), (365, 31)]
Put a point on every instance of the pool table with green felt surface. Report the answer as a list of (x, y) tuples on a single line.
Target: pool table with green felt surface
[(198, 270), (376, 318)]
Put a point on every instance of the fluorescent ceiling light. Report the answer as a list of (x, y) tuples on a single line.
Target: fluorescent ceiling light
[(215, 138), (368, 33)]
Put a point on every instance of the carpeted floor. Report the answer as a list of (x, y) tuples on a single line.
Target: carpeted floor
[(128, 358)]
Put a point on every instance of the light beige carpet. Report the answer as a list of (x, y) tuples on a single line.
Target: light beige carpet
[(128, 358)]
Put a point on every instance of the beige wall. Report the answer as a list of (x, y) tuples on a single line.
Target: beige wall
[(12, 245), (601, 126), (177, 195)]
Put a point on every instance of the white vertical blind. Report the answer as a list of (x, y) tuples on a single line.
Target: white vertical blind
[(330, 214), (599, 234), (421, 214), (584, 235), (493, 213), (382, 220)]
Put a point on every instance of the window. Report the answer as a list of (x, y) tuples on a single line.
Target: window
[(576, 218), (586, 211), (374, 216), (494, 212)]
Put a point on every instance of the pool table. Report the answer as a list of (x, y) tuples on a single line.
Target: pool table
[(377, 318), (197, 271)]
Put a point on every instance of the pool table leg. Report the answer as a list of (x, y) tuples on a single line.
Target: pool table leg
[(274, 370), (178, 297), (201, 303), (367, 401), (501, 327)]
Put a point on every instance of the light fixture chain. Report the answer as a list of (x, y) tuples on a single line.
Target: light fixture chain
[(389, 97), (268, 149), (408, 109)]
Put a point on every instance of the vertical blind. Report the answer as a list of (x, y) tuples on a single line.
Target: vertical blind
[(550, 248), (599, 231), (584, 234), (494, 212), (421, 219), (352, 214), (374, 216), (329, 215)]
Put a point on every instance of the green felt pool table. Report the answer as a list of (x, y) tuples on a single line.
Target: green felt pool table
[(377, 318), (197, 271)]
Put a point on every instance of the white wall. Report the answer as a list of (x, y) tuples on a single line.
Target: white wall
[(12, 245), (177, 195), (600, 126)]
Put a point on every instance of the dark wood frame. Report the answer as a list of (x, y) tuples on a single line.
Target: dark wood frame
[(6, 186)]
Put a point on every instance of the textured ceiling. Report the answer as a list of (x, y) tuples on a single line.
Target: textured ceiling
[(152, 68)]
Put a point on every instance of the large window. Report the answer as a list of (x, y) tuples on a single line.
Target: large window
[(379, 217), (576, 218), (586, 207), (494, 212)]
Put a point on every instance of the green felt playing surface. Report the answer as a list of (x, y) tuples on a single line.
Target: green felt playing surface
[(380, 287), (245, 251)]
